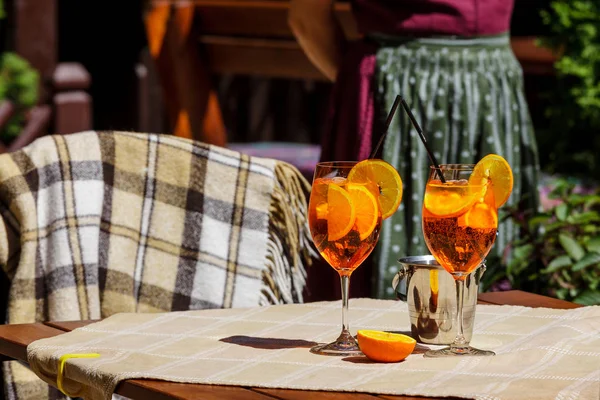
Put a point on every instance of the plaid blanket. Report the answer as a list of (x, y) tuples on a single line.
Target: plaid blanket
[(97, 223)]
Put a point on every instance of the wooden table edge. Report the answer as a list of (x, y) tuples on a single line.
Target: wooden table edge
[(19, 336), (163, 390), (521, 298)]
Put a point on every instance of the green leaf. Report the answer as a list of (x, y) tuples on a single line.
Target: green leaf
[(561, 211), (538, 220), (587, 260), (593, 244), (523, 252), (588, 298), (591, 229), (558, 263), (19, 82), (561, 189), (573, 292), (573, 249), (555, 226), (562, 293), (592, 201), (522, 257), (587, 217)]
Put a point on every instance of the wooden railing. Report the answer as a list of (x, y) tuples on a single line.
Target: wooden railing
[(37, 121), (68, 112), (65, 106)]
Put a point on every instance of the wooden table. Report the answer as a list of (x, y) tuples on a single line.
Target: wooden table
[(15, 338)]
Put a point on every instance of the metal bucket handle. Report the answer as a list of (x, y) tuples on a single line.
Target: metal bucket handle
[(399, 277)]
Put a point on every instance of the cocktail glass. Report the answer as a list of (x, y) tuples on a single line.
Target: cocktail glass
[(345, 221), (460, 221)]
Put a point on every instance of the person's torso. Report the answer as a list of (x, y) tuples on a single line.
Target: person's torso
[(433, 17)]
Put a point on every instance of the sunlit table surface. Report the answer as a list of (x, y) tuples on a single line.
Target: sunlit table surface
[(14, 340)]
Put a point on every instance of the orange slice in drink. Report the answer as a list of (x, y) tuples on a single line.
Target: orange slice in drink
[(384, 346), (339, 212), (448, 199), (387, 179), (480, 216), (367, 209), (497, 170)]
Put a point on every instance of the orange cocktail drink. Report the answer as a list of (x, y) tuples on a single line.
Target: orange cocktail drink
[(460, 221), (348, 201), (345, 221)]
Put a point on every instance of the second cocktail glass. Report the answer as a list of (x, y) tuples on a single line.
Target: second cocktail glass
[(460, 220)]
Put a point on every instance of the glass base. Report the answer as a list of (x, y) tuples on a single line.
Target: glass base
[(344, 346), (458, 351)]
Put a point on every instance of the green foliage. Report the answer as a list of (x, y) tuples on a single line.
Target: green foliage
[(19, 84), (559, 255), (574, 103)]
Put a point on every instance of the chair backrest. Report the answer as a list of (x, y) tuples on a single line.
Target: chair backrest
[(190, 41), (254, 38)]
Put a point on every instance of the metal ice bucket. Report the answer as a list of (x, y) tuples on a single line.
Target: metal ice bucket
[(430, 292)]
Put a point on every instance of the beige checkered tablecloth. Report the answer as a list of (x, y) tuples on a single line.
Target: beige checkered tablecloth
[(541, 353)]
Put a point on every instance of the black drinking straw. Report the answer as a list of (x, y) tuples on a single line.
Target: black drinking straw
[(423, 139), (388, 121)]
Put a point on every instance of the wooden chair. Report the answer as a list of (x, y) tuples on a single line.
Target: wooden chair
[(225, 260), (190, 40)]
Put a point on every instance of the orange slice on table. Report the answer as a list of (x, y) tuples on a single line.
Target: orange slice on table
[(385, 346), (442, 201), (387, 179), (339, 212), (497, 170), (367, 209)]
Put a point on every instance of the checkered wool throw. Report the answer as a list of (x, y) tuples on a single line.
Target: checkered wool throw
[(97, 223)]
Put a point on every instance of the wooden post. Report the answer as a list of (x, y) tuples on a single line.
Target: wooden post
[(72, 104), (35, 37)]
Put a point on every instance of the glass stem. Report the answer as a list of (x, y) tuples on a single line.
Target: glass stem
[(345, 280), (345, 341), (460, 344)]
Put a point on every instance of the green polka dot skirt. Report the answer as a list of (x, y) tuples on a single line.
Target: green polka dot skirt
[(467, 95)]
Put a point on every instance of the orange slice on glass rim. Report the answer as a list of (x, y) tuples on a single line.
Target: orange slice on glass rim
[(366, 207), (339, 212), (496, 169), (443, 201), (385, 346), (387, 179)]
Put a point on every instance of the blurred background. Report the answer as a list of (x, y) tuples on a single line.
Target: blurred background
[(230, 73)]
